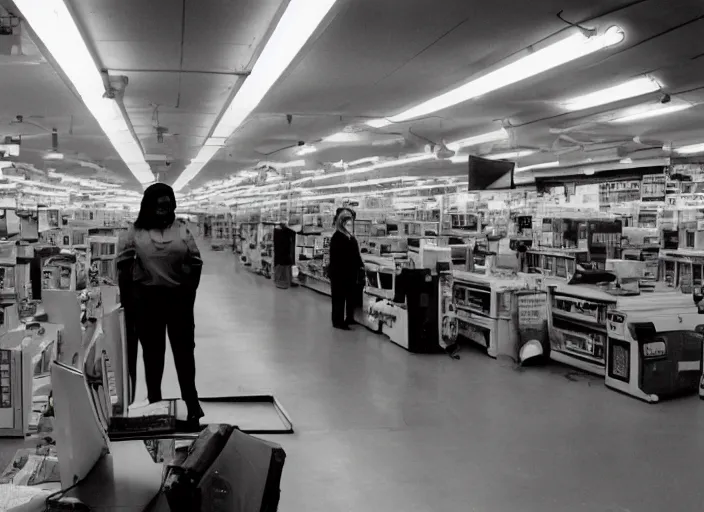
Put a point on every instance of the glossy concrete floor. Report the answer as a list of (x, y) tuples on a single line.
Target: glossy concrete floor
[(379, 429)]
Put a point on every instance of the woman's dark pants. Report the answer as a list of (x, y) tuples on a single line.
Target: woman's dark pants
[(160, 310)]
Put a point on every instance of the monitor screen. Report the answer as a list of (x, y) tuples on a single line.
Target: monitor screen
[(490, 174)]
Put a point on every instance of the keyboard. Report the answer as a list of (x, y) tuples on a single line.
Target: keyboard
[(141, 426)]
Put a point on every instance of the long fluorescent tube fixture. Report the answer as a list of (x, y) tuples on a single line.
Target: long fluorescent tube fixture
[(365, 160), (374, 167), (546, 165), (484, 138), (660, 110), (631, 89), (342, 137), (306, 150), (511, 155), (571, 48), (56, 28), (690, 150), (293, 30)]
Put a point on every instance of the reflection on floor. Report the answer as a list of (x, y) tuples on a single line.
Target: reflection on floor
[(379, 429)]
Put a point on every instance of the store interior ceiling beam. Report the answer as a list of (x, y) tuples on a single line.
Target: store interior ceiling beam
[(54, 25), (182, 71), (294, 29)]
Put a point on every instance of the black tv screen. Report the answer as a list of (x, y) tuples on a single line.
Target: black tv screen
[(490, 174)]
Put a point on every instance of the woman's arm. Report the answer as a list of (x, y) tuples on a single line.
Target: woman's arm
[(126, 255), (194, 262), (333, 259)]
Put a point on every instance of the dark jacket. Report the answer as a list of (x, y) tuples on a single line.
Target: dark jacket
[(345, 259), (284, 246)]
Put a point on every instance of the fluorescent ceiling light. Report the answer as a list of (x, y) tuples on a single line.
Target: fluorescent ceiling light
[(55, 27), (511, 154), (571, 48), (690, 150), (631, 89), (380, 123), (342, 137), (293, 30), (658, 110), (206, 153), (365, 160), (358, 184), (307, 150), (484, 138), (378, 165), (216, 141), (546, 165)]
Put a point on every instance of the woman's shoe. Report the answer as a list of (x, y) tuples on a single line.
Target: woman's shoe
[(192, 423)]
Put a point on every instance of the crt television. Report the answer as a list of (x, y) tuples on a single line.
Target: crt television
[(490, 174)]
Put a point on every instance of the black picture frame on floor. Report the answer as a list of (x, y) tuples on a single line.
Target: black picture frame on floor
[(257, 399)]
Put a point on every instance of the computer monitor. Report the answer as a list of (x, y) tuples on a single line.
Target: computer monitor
[(487, 174), (80, 440)]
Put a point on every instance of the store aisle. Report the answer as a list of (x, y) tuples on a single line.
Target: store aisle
[(379, 429)]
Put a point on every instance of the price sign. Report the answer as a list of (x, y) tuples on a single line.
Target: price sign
[(532, 309)]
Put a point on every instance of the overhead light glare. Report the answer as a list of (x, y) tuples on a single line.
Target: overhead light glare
[(571, 48), (375, 166), (511, 155), (379, 123), (56, 28), (365, 160), (631, 89), (484, 138), (296, 26), (307, 150), (216, 141), (342, 137), (690, 150), (546, 165), (205, 154), (657, 111)]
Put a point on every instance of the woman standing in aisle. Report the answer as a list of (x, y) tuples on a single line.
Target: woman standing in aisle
[(343, 271), (284, 255), (163, 266)]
